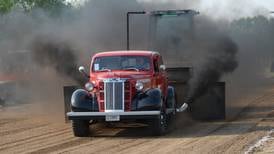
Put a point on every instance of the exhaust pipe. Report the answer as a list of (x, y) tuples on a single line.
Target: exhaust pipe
[(182, 108)]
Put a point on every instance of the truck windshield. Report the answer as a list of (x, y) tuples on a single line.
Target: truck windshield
[(130, 63)]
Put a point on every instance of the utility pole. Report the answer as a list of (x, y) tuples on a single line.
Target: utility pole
[(272, 64)]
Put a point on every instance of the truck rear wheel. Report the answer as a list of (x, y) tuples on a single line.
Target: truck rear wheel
[(80, 128)]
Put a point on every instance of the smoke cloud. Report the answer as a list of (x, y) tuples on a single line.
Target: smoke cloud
[(58, 55), (220, 59), (63, 43), (54, 47)]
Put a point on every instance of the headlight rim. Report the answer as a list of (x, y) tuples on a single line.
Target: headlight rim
[(139, 86), (89, 86)]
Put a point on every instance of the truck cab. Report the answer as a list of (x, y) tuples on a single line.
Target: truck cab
[(123, 85)]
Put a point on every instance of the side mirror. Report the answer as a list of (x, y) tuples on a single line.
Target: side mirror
[(162, 67), (83, 71)]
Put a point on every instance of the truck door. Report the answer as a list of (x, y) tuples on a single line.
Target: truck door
[(160, 74)]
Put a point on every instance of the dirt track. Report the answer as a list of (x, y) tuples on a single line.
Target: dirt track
[(22, 132)]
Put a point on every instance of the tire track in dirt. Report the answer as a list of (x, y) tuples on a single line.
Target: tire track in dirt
[(104, 141), (123, 147), (36, 132), (120, 144), (20, 124), (229, 132), (151, 144), (211, 142), (65, 145), (107, 144), (32, 139), (173, 140), (182, 137), (69, 149), (244, 139), (145, 144), (59, 139), (80, 145), (8, 121), (39, 143), (29, 131), (8, 132)]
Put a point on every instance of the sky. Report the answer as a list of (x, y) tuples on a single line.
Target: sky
[(217, 9), (228, 9)]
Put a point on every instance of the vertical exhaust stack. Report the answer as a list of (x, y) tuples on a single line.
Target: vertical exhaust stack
[(128, 15)]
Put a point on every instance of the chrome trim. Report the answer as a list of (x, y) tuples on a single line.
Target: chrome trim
[(113, 95), (182, 108), (79, 114), (7, 81), (114, 81), (123, 95)]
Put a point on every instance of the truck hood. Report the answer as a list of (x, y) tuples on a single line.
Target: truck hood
[(120, 74)]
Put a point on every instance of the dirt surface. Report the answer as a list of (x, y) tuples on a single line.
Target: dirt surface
[(22, 131), (267, 146)]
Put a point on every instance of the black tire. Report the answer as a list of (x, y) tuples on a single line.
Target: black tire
[(80, 128), (160, 124)]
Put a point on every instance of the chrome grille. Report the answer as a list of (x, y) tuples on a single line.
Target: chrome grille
[(114, 94)]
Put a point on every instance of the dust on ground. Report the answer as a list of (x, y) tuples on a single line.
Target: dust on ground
[(46, 132)]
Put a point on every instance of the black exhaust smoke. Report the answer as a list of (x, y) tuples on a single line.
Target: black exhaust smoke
[(58, 55), (221, 59)]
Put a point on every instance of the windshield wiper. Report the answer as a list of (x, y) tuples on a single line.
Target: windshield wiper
[(131, 68), (104, 70)]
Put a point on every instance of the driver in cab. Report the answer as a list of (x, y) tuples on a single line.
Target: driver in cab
[(142, 64)]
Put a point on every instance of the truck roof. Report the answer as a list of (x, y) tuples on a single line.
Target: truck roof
[(126, 53)]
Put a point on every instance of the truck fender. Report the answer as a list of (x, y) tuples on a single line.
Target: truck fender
[(171, 97), (82, 101), (148, 100)]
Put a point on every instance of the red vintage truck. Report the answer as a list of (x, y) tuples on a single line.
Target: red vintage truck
[(124, 85), (137, 85)]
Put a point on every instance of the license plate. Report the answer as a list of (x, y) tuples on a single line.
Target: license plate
[(112, 117)]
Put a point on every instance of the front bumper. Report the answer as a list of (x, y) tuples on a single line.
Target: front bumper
[(123, 115)]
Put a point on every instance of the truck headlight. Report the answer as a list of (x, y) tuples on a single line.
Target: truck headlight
[(139, 86), (89, 86)]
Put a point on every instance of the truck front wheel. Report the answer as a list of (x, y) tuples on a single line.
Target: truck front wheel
[(160, 124), (80, 128)]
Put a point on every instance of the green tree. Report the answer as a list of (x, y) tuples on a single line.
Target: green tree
[(52, 6), (6, 5)]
